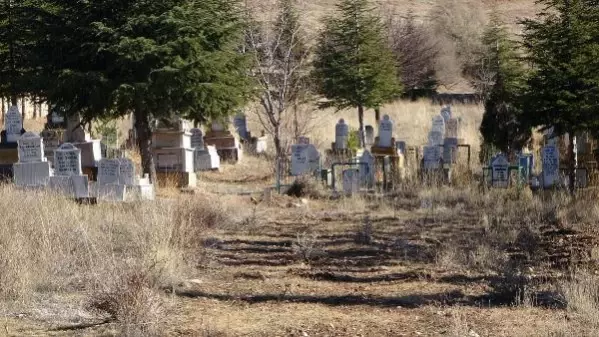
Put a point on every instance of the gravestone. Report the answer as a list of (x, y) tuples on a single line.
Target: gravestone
[(13, 124), (369, 135), (401, 147), (386, 132), (435, 138), (550, 155), (197, 139), (31, 148), (109, 171), (68, 176), (449, 154), (32, 170), (438, 125), (206, 159), (452, 128), (500, 171), (341, 135), (351, 181), (446, 113), (240, 124), (431, 156), (126, 172), (305, 159), (366, 171), (217, 126)]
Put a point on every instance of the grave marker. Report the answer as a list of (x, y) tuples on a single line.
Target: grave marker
[(550, 156), (67, 160), (367, 171), (438, 125), (446, 113), (240, 124), (500, 171), (108, 171), (431, 157), (452, 128), (351, 182), (31, 148), (197, 139), (13, 124), (369, 135), (341, 135), (386, 132), (126, 172)]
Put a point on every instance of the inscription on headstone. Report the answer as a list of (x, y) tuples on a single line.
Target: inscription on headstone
[(126, 172), (499, 170), (67, 160), (197, 139), (31, 148), (108, 171), (13, 124), (550, 156)]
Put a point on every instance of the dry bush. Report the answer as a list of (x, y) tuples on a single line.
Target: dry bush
[(581, 294), (363, 235), (307, 187), (307, 247)]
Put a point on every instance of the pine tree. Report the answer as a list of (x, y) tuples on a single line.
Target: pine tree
[(563, 93), (354, 67), (157, 59), (502, 125)]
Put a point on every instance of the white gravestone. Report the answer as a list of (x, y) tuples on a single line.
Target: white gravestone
[(206, 159), (431, 157), (240, 124), (446, 113), (67, 160), (367, 169), (386, 132), (435, 138), (369, 135), (550, 156), (13, 124), (109, 171), (500, 171), (197, 139), (126, 172), (351, 181), (304, 159), (31, 148), (438, 125), (341, 135)]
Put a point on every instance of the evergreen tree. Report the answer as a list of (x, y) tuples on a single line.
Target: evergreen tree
[(354, 66), (563, 93), (21, 66), (157, 59), (502, 125)]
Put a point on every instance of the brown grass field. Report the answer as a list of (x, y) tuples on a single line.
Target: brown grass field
[(231, 261)]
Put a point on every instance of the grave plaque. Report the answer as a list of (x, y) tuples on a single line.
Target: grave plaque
[(431, 157), (126, 172), (341, 135), (550, 156), (67, 160), (13, 124), (108, 171), (197, 139), (31, 148), (500, 171), (386, 132)]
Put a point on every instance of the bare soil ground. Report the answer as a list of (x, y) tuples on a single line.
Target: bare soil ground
[(472, 265)]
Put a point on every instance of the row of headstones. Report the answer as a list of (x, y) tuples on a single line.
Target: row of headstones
[(550, 175), (115, 176), (385, 134)]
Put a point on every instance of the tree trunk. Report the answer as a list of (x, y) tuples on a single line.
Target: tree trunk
[(23, 115), (3, 107), (572, 163), (144, 142), (277, 141), (361, 121), (377, 115)]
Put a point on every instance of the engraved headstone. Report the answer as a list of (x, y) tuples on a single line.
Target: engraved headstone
[(550, 155), (108, 171), (206, 159), (386, 132), (197, 139), (67, 160), (305, 159), (31, 148), (341, 135), (446, 113), (13, 124), (351, 181), (435, 138), (126, 172), (438, 125), (500, 171), (367, 169), (452, 128)]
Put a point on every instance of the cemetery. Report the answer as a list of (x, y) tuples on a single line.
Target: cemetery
[(333, 168)]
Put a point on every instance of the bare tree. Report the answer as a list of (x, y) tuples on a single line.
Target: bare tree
[(416, 53), (281, 69)]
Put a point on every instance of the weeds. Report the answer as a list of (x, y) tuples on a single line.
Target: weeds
[(307, 247)]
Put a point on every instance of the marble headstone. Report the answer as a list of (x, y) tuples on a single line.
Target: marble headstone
[(341, 135), (13, 124), (386, 132)]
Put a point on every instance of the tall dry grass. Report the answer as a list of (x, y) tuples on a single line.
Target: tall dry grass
[(118, 256)]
